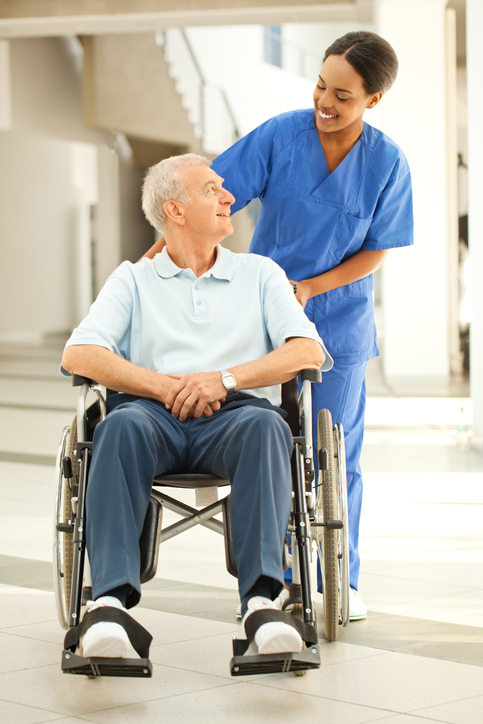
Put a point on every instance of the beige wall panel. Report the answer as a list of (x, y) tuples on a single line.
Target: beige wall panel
[(127, 88)]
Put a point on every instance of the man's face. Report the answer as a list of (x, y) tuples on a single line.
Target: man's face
[(207, 213)]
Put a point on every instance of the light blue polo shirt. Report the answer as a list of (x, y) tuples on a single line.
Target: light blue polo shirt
[(164, 318)]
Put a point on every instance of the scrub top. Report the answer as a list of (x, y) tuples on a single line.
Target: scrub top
[(312, 220)]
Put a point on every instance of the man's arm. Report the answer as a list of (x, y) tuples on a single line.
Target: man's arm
[(193, 392), (114, 372)]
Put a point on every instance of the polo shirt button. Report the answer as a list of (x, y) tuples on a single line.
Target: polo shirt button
[(198, 303)]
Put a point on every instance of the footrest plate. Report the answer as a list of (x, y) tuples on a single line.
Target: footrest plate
[(93, 667), (275, 663)]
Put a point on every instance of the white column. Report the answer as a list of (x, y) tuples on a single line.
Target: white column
[(474, 64), (414, 114)]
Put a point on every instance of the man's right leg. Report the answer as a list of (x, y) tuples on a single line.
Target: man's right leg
[(137, 441)]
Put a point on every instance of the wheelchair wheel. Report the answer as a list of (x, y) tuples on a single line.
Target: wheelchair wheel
[(343, 537), (63, 539), (333, 543)]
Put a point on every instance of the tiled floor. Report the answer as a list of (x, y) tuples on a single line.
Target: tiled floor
[(417, 658)]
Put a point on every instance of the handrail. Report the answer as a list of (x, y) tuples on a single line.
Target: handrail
[(205, 84), (199, 106)]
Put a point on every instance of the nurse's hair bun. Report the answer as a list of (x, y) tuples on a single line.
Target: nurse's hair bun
[(371, 57)]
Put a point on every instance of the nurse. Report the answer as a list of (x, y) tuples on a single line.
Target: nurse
[(336, 196)]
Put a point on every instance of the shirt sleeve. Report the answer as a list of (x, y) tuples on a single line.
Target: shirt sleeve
[(246, 166), (108, 323), (283, 315), (392, 223)]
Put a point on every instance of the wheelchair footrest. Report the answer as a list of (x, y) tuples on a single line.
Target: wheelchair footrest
[(97, 666), (275, 663)]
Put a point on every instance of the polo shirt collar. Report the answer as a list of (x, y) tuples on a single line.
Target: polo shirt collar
[(222, 268)]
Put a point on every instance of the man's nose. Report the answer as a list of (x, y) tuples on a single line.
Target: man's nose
[(228, 197)]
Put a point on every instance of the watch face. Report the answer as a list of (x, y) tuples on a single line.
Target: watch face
[(229, 382)]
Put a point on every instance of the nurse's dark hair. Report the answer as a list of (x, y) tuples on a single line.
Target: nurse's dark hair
[(371, 57)]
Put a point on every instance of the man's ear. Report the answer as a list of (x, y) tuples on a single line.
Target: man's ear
[(174, 212)]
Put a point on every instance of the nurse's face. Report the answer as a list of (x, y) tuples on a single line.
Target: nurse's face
[(339, 97)]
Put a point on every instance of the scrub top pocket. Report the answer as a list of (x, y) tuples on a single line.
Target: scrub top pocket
[(348, 237)]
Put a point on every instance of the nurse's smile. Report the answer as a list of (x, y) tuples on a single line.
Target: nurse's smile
[(325, 116)]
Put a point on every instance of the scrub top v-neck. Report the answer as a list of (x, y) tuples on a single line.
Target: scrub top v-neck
[(312, 220)]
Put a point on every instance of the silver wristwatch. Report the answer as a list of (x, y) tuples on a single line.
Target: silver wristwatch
[(228, 380)]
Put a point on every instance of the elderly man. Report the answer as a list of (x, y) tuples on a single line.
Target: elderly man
[(197, 341)]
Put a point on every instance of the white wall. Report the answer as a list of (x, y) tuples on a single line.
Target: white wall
[(414, 113), (39, 227), (474, 16), (46, 87), (55, 175)]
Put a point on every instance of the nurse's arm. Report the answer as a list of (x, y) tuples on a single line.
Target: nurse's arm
[(360, 265), (155, 249)]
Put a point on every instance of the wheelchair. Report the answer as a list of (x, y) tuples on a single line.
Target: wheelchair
[(318, 521)]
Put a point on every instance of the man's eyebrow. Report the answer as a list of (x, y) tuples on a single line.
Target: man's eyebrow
[(342, 90), (210, 182)]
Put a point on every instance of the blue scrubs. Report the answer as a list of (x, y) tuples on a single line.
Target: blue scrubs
[(312, 220)]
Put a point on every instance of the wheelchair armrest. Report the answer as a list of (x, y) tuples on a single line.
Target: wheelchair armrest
[(79, 380), (311, 375)]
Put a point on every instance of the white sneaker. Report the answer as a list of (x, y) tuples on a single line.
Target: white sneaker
[(106, 638), (279, 601), (273, 637), (357, 607)]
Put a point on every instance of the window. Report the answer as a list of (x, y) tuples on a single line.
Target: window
[(273, 45)]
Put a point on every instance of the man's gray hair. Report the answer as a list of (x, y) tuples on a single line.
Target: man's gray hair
[(163, 183)]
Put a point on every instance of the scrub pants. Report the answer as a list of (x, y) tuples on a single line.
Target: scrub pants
[(343, 392), (140, 439)]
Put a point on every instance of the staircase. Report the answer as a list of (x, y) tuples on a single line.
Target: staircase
[(150, 88)]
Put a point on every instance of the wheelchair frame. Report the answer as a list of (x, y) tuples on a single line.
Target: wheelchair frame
[(319, 515)]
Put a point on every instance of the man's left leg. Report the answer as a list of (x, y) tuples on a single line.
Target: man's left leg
[(252, 446)]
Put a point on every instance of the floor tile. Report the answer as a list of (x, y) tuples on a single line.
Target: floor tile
[(21, 605), (421, 637), (47, 688), (386, 590), (18, 653), (465, 609), (20, 714), (406, 719), (468, 711), (396, 682), (239, 703), (444, 572)]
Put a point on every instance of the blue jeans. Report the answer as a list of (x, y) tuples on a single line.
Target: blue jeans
[(140, 439)]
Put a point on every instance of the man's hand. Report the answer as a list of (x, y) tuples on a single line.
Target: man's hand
[(195, 394)]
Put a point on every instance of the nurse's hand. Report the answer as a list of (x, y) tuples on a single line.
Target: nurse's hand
[(302, 294)]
